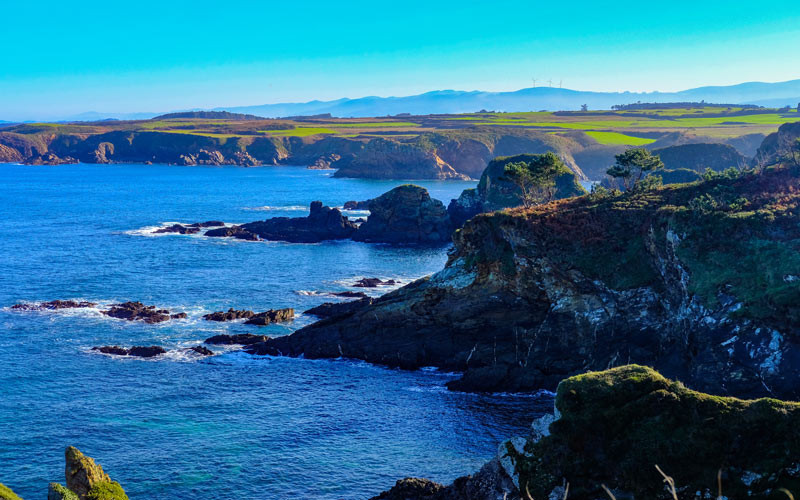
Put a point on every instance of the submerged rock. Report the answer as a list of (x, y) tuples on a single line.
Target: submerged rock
[(137, 351), (53, 305), (614, 427), (406, 214), (323, 223), (237, 339), (203, 351), (136, 311)]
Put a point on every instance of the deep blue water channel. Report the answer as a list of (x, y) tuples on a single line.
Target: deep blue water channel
[(230, 426)]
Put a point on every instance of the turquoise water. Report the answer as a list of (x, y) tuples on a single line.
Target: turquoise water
[(229, 426)]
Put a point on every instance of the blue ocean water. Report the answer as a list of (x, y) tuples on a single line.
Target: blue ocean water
[(230, 426)]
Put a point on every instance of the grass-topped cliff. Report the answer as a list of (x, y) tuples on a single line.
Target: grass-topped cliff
[(700, 280), (408, 147)]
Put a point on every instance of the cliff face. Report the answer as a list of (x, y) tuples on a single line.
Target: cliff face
[(690, 279), (614, 427), (698, 157)]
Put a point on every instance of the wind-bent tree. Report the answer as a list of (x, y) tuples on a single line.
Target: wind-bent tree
[(536, 179), (633, 165)]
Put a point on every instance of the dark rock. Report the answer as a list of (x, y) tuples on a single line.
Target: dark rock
[(49, 159), (201, 350), (330, 309), (465, 207), (357, 205), (323, 223), (138, 351), (412, 488), (178, 316), (136, 311), (406, 214), (373, 283), (229, 315), (237, 232), (53, 305), (271, 316), (350, 294), (178, 228), (237, 339), (210, 223)]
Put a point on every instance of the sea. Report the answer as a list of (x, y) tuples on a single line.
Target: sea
[(229, 426)]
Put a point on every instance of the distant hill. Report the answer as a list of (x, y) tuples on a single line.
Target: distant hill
[(211, 115), (530, 99)]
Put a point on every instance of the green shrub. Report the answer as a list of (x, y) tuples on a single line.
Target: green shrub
[(107, 490)]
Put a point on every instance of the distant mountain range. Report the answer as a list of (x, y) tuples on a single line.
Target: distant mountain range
[(531, 99)]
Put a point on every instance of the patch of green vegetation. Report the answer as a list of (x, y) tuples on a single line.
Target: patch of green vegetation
[(617, 425), (615, 138), (60, 492), (7, 494), (107, 490), (299, 132), (373, 125)]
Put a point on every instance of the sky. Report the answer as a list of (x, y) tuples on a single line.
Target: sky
[(62, 58)]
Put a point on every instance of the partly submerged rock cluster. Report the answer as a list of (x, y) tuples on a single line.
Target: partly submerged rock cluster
[(611, 429)]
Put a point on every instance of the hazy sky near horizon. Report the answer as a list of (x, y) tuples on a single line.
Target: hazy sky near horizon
[(63, 58)]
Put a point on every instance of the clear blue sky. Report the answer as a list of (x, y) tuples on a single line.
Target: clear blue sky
[(66, 57)]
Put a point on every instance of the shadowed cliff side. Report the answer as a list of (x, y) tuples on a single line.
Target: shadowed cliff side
[(701, 281)]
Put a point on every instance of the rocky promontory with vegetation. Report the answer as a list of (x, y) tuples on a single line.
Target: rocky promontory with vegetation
[(699, 280), (632, 433)]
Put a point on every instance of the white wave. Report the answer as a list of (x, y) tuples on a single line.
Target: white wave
[(283, 208)]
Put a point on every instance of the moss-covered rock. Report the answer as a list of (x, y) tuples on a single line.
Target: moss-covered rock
[(82, 472), (56, 491), (107, 490), (7, 494), (615, 426)]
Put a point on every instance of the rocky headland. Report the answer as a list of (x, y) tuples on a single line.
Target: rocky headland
[(699, 281)]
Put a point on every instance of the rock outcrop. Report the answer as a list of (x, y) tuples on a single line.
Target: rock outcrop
[(698, 157), (229, 315), (776, 146), (615, 427), (49, 159), (136, 311), (708, 295), (406, 214), (272, 316), (237, 339), (323, 223), (87, 480), (135, 351), (53, 305), (330, 309), (237, 232)]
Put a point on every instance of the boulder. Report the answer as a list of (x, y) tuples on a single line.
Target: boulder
[(136, 311), (137, 351), (323, 223), (406, 214), (53, 305), (201, 350), (237, 339)]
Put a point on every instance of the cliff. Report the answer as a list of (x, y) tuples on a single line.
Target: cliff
[(612, 428), (699, 157), (701, 281)]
